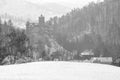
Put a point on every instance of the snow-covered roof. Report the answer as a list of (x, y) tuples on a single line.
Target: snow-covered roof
[(87, 52)]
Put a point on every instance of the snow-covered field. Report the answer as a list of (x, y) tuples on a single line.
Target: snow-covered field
[(59, 71)]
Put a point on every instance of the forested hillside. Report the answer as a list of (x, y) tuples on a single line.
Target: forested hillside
[(96, 27)]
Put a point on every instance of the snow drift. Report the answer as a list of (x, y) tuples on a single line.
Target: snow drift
[(59, 71)]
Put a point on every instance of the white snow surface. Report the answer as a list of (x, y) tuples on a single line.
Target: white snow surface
[(59, 71)]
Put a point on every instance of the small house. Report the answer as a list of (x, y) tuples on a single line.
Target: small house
[(87, 54)]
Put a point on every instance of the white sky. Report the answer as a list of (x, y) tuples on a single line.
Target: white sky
[(68, 3)]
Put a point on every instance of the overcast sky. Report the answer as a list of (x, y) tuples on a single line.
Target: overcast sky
[(68, 3)]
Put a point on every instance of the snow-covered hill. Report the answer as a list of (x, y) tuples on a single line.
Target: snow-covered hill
[(59, 71), (26, 9)]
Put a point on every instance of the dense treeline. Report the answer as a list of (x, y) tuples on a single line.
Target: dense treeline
[(14, 43)]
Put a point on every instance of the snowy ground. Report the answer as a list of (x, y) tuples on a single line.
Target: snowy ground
[(59, 71)]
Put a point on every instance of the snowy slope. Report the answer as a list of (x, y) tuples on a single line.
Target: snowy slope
[(25, 9), (59, 71)]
